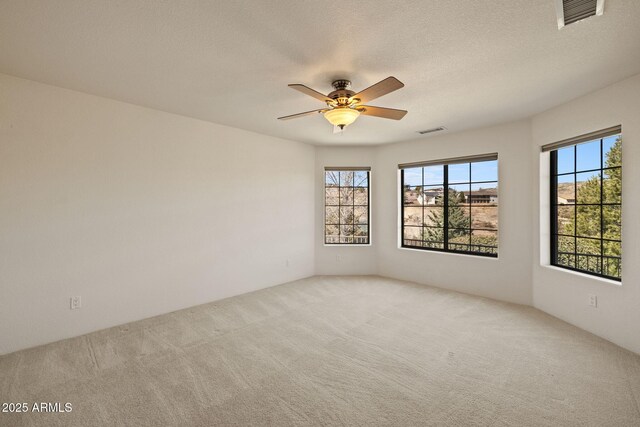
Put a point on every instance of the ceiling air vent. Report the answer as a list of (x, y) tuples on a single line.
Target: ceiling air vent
[(438, 129), (570, 11)]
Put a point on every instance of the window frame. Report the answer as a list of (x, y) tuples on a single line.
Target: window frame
[(445, 185), (368, 223), (553, 208)]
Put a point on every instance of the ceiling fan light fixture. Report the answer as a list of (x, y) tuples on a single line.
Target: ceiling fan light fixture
[(341, 117), (343, 106)]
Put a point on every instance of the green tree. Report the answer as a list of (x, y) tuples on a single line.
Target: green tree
[(458, 224), (612, 188), (590, 222), (458, 219)]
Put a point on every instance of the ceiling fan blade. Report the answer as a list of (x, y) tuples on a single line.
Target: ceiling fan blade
[(306, 113), (308, 91), (379, 89), (385, 113)]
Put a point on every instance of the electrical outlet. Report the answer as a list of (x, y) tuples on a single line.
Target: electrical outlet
[(286, 263), (593, 301), (337, 258), (75, 303)]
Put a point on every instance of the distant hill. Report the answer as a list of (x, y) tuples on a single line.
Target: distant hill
[(566, 190)]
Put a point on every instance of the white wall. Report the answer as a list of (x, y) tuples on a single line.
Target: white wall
[(563, 293), (140, 212), (506, 278), (344, 259)]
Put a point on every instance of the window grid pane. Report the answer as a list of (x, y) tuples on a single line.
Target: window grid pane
[(346, 207), (586, 199), (462, 219)]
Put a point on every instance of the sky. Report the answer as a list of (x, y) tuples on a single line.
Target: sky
[(347, 178), (584, 156), (587, 153), (458, 173)]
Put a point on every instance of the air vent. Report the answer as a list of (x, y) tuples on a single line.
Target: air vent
[(570, 11), (438, 129)]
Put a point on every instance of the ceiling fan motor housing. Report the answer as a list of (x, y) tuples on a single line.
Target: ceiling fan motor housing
[(342, 89)]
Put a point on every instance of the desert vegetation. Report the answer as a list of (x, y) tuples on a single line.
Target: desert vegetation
[(471, 227), (346, 207)]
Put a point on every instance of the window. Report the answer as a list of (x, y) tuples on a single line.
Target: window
[(451, 205), (586, 204), (346, 218)]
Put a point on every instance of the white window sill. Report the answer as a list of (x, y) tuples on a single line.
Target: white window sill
[(449, 253), (345, 245), (582, 275)]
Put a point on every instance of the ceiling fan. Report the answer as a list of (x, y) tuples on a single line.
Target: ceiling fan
[(344, 105)]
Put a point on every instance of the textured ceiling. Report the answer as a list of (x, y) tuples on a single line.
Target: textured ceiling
[(465, 63)]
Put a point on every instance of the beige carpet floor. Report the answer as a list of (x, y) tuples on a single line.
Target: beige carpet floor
[(360, 351)]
